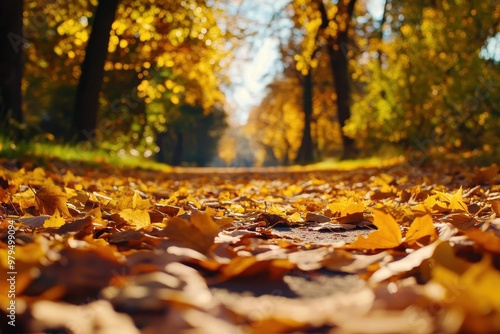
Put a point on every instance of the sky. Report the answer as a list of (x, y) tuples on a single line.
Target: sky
[(251, 76)]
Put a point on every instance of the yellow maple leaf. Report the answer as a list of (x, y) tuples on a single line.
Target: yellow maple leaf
[(387, 236), (55, 221)]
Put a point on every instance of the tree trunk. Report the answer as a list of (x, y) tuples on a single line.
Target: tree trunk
[(11, 62), (339, 67), (179, 149), (89, 86), (306, 151), (338, 54)]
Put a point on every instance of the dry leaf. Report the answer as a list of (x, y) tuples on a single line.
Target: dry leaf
[(97, 317), (50, 199), (55, 221), (198, 232), (137, 218), (495, 206), (486, 175), (486, 240), (405, 265), (388, 234), (421, 228), (250, 266)]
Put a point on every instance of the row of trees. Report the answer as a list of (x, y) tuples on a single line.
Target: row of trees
[(418, 77), (121, 73)]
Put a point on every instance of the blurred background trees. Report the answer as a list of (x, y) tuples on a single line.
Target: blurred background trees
[(153, 78)]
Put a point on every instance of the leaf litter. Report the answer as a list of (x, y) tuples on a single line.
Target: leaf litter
[(374, 250)]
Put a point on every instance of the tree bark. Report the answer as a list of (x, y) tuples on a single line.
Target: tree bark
[(306, 151), (339, 67), (92, 69), (11, 60), (339, 61), (179, 149)]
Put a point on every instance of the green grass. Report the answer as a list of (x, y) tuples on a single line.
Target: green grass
[(42, 152)]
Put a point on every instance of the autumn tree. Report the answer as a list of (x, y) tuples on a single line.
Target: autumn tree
[(427, 82), (92, 71), (336, 30), (11, 61), (327, 27), (275, 126), (144, 80)]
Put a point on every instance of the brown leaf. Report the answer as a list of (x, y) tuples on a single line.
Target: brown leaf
[(495, 206), (50, 199), (100, 318), (486, 175), (250, 266), (197, 233)]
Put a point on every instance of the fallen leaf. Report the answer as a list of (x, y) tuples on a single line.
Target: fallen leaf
[(50, 199), (486, 240), (198, 232), (97, 317), (137, 218), (316, 217), (388, 234), (405, 265), (32, 222), (495, 206), (250, 266), (421, 228), (55, 221), (486, 175)]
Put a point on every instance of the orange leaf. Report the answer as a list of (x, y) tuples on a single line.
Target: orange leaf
[(421, 228), (50, 199), (387, 236), (250, 266), (495, 205), (486, 240)]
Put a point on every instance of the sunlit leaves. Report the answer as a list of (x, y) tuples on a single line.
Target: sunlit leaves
[(398, 99), (145, 39), (54, 221), (387, 235)]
